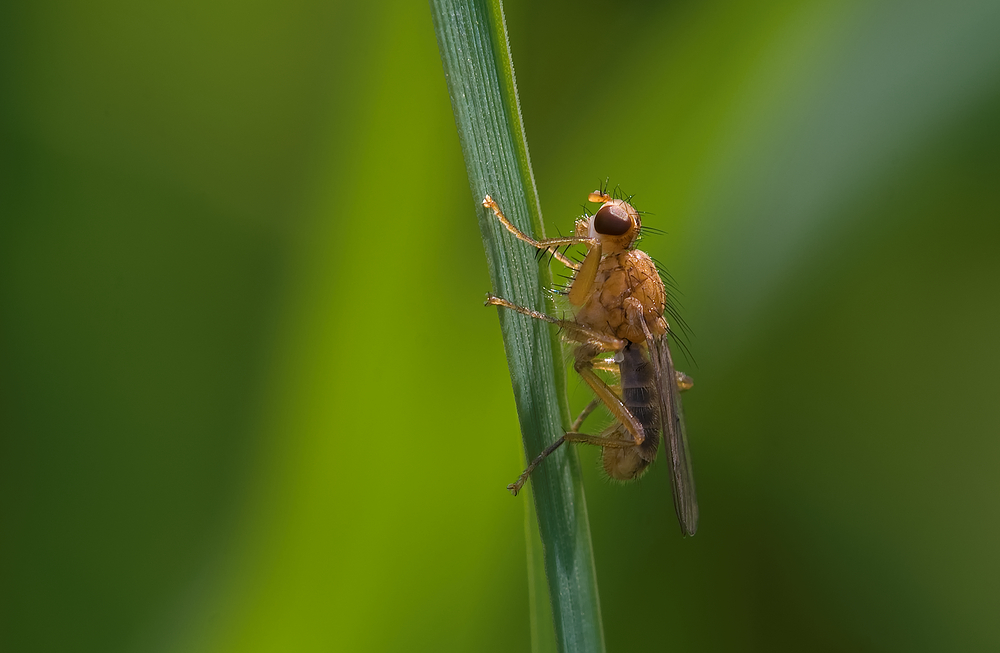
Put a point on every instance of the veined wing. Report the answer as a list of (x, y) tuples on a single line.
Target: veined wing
[(672, 419)]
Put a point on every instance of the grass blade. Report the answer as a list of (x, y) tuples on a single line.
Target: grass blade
[(472, 39)]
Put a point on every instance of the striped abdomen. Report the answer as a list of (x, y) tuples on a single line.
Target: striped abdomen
[(639, 388)]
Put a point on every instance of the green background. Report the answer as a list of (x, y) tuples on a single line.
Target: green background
[(251, 400)]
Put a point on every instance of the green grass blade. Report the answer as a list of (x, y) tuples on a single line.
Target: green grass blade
[(473, 42)]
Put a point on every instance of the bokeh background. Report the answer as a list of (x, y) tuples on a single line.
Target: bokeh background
[(251, 400)]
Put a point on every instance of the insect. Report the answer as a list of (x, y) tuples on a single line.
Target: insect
[(618, 301)]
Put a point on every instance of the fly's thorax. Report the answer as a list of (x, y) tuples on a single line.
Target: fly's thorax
[(621, 276)]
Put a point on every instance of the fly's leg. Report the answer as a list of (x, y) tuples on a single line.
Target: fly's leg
[(606, 342), (515, 487), (583, 282), (570, 436), (584, 414), (597, 343), (549, 243), (599, 440), (584, 366), (605, 395), (606, 365)]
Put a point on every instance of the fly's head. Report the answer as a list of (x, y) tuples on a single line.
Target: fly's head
[(616, 224)]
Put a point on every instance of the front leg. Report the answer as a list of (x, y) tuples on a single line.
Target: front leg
[(548, 244)]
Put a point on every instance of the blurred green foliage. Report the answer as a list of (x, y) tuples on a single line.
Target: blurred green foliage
[(251, 401)]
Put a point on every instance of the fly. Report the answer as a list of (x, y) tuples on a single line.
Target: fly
[(618, 300)]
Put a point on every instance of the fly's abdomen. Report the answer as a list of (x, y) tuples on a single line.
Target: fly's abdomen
[(639, 396)]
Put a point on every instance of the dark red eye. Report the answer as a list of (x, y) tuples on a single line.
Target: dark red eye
[(612, 220)]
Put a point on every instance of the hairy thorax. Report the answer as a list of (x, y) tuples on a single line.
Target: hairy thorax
[(620, 276)]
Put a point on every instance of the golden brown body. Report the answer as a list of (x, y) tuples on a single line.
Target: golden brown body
[(618, 300), (624, 275)]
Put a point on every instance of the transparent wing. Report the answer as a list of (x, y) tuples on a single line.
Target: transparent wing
[(672, 418)]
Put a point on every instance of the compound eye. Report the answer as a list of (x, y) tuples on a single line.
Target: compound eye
[(612, 220)]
